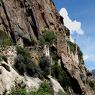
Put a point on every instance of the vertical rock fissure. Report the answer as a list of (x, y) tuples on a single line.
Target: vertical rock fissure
[(34, 23), (43, 16), (7, 17)]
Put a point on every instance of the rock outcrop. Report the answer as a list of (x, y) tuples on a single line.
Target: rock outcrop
[(56, 86), (9, 77)]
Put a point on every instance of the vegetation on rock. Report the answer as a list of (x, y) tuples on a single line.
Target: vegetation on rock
[(45, 65), (24, 64), (5, 40), (45, 89), (48, 37)]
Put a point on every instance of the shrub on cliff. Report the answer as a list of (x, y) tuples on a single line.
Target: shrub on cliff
[(24, 64), (4, 39), (45, 65), (20, 64), (47, 37), (45, 89)]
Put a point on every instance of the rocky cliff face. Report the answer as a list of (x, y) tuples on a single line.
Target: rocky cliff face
[(27, 18), (24, 21)]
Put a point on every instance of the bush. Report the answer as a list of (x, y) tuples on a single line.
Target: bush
[(6, 42), (19, 91), (45, 89), (23, 63), (3, 34), (4, 39), (20, 64), (61, 76), (33, 70), (45, 65), (24, 52), (47, 37)]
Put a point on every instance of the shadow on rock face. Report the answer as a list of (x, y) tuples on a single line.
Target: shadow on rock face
[(6, 67)]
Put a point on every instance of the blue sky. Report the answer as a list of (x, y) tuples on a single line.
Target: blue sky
[(82, 11)]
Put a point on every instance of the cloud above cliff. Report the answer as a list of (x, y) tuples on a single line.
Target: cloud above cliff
[(73, 26)]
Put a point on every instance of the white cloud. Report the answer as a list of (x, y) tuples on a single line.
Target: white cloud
[(90, 57), (73, 26), (80, 32), (85, 57), (71, 39)]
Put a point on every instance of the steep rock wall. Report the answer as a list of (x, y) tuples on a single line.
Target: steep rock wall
[(25, 19)]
